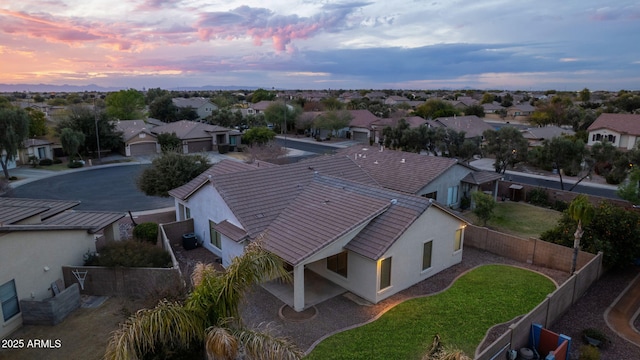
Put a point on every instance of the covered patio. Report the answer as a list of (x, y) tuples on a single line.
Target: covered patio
[(317, 289)]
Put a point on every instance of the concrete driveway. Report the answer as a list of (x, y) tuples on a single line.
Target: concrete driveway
[(111, 188)]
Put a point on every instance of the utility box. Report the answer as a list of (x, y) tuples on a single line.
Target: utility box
[(189, 241)]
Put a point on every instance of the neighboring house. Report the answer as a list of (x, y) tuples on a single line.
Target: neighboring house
[(472, 125), (621, 130), (535, 136), (38, 237), (202, 106), (395, 100), (520, 111), (261, 106), (137, 138), (40, 149), (327, 219), (463, 102), (492, 108), (361, 126), (440, 178), (198, 137)]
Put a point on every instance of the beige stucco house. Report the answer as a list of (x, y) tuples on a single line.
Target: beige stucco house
[(38, 237), (330, 219), (621, 130), (137, 138)]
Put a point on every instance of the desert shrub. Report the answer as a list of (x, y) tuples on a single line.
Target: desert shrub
[(131, 254), (588, 352), (147, 231), (75, 164), (560, 205), (538, 197), (46, 162), (596, 335)]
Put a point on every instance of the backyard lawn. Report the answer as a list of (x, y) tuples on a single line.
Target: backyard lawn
[(520, 219), (461, 315)]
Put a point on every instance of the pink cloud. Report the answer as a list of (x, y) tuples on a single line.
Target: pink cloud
[(262, 24)]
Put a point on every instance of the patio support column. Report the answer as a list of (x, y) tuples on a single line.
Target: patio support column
[(298, 287), (495, 191)]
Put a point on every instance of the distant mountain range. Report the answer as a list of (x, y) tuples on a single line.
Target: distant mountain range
[(40, 88)]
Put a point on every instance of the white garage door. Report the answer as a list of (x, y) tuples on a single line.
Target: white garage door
[(361, 137)]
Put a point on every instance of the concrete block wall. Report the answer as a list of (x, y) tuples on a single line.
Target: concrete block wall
[(53, 310)]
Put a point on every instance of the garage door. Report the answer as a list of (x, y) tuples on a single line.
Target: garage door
[(198, 146), (361, 137), (147, 148)]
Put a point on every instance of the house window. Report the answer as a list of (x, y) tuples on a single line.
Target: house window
[(431, 195), (385, 273), (187, 213), (214, 235), (457, 243), (452, 195), (42, 153), (338, 263), (427, 249), (9, 300)]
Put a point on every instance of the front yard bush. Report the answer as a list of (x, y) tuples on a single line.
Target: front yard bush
[(46, 162), (146, 232), (538, 197), (130, 254)]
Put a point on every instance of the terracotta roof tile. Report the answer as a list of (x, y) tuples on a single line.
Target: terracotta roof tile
[(472, 125), (622, 123), (231, 231), (52, 206)]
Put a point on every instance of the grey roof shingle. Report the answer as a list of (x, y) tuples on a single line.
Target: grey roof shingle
[(92, 220), (185, 129), (231, 231), (472, 125)]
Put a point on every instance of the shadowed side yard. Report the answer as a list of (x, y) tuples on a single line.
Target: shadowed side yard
[(83, 335), (461, 315)]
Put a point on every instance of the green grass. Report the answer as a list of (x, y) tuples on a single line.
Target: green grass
[(520, 219), (480, 299)]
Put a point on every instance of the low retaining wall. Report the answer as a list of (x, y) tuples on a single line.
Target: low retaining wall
[(53, 310)]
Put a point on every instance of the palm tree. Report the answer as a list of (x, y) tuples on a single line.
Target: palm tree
[(209, 316), (581, 211)]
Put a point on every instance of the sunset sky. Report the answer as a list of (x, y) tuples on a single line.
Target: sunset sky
[(321, 44)]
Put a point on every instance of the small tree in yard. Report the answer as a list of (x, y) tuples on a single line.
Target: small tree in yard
[(14, 129), (483, 206), (170, 170), (71, 141), (169, 142), (582, 212)]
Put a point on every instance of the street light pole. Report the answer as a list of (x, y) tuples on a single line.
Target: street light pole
[(95, 118), (285, 122)]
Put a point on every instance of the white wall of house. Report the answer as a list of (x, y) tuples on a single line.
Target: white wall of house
[(207, 204), (596, 136), (230, 249), (406, 253), (442, 185), (34, 260), (361, 275)]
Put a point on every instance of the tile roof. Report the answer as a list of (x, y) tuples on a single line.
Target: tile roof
[(55, 214), (231, 231), (362, 118), (131, 128), (92, 220), (472, 125), (186, 129), (35, 142), (621, 123), (257, 197), (398, 170), (51, 207), (318, 216), (223, 167), (481, 177), (545, 132), (194, 102)]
